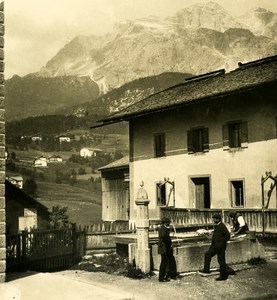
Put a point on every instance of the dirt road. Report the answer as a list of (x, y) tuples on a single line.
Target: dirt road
[(258, 282)]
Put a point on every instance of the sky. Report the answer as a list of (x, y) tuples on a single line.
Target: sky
[(35, 30)]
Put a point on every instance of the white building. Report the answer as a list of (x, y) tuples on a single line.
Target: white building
[(40, 162), (89, 152), (16, 180)]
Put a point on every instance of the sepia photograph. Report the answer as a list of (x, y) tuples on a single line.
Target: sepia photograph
[(138, 149)]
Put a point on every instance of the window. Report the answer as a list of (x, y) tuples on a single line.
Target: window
[(235, 135), (165, 193), (198, 140), (237, 193), (161, 194), (159, 140)]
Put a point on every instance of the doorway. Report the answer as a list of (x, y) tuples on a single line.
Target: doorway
[(200, 194)]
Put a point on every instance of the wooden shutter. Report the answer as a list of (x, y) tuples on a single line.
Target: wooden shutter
[(160, 145), (206, 139), (244, 135), (190, 141), (225, 137), (131, 141)]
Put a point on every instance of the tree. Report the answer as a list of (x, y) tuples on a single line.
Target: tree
[(30, 187), (13, 156), (59, 217)]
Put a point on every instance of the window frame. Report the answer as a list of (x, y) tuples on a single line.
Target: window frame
[(198, 140), (168, 191), (232, 193), (159, 145), (241, 136)]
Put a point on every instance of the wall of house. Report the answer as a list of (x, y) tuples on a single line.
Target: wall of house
[(2, 153), (258, 108), (21, 217)]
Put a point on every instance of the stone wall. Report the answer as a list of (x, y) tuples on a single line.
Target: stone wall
[(191, 257), (2, 153)]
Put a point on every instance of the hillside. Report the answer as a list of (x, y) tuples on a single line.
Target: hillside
[(33, 95)]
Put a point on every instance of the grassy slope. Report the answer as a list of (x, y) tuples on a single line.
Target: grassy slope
[(83, 199)]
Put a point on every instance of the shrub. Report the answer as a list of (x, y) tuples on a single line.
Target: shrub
[(254, 261)]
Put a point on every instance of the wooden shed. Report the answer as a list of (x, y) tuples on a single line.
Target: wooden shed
[(115, 190)]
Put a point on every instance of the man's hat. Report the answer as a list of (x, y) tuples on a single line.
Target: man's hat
[(232, 213), (165, 220), (217, 216)]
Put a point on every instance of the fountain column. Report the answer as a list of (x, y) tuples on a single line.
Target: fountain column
[(142, 225)]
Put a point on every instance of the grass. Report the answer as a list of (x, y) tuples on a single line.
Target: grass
[(83, 199), (110, 264), (84, 202)]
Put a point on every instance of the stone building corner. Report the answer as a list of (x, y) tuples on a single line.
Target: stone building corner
[(2, 153)]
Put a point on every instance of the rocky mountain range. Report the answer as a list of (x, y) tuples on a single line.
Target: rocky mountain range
[(196, 40)]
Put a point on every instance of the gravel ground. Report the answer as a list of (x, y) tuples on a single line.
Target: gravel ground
[(250, 282)]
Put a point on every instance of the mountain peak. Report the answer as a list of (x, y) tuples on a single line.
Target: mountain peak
[(205, 15)]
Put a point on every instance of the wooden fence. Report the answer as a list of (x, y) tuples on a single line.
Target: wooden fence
[(49, 250), (102, 235), (259, 220)]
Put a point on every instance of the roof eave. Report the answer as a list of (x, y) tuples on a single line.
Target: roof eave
[(133, 115)]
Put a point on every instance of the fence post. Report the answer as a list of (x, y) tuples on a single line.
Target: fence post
[(74, 241), (24, 249), (24, 245), (18, 249), (85, 241)]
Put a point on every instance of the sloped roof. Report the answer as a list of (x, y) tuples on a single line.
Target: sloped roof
[(92, 149), (215, 84), (120, 163), (12, 192)]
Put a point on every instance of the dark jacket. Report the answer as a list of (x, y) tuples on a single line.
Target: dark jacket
[(220, 235), (164, 244)]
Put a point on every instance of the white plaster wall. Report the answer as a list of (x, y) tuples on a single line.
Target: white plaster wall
[(249, 164)]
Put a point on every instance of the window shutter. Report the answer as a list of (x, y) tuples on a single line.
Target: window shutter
[(131, 141), (206, 139), (244, 135), (225, 137), (160, 145), (190, 141)]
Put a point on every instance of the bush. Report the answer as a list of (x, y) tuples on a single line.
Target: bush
[(254, 261), (133, 272)]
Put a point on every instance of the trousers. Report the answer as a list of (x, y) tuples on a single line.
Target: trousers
[(167, 266), (220, 252)]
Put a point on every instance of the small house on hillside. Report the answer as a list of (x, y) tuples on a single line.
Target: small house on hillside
[(40, 162), (55, 159), (64, 139), (115, 190), (36, 139), (17, 180), (90, 152), (22, 211), (205, 143)]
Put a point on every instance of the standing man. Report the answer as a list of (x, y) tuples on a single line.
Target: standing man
[(168, 265), (239, 225), (219, 242)]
